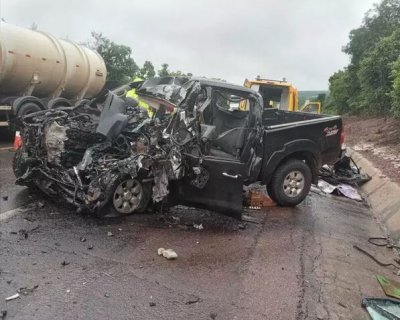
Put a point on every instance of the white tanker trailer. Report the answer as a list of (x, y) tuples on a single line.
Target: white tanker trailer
[(39, 71)]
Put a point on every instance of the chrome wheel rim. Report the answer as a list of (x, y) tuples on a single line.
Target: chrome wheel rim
[(293, 184), (127, 196)]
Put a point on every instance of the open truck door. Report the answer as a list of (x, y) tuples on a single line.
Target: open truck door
[(229, 136)]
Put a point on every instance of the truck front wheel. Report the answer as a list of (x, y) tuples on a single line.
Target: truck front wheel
[(290, 183), (128, 196)]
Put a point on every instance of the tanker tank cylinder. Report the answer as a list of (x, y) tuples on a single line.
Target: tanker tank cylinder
[(39, 64)]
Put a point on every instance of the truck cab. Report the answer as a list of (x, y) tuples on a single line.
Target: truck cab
[(277, 94)]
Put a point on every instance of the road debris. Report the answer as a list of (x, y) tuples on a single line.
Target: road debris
[(345, 171), (27, 290), (250, 219), (391, 287), (109, 234), (23, 234), (382, 242), (107, 295), (13, 297), (340, 189), (82, 239), (382, 308), (64, 263), (3, 314), (256, 199), (152, 304), (383, 264), (198, 226), (40, 204), (193, 300), (5, 198), (342, 178), (90, 247), (168, 254)]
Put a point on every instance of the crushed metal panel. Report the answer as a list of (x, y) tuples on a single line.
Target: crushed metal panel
[(55, 135), (382, 308)]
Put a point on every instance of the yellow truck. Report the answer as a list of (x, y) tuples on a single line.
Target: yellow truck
[(281, 95)]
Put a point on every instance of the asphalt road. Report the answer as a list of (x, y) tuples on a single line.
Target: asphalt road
[(289, 263)]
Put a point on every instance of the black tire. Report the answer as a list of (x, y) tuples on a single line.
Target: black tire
[(18, 168), (27, 108), (58, 103), (109, 209), (271, 192), (290, 183)]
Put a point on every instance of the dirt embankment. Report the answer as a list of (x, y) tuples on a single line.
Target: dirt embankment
[(378, 139)]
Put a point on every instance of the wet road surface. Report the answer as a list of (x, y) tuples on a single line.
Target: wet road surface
[(289, 263)]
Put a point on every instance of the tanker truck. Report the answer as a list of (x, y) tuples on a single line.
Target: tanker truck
[(39, 71)]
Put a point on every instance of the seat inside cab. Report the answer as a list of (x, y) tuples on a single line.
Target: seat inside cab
[(225, 126)]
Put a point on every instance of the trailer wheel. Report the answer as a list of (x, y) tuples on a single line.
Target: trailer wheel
[(290, 183), (27, 108), (128, 196), (58, 103)]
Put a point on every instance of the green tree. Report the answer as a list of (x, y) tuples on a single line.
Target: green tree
[(163, 72), (395, 92), (120, 65), (375, 74), (366, 84), (338, 99), (147, 71)]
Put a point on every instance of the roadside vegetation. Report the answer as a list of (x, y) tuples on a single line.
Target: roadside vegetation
[(121, 67), (370, 84)]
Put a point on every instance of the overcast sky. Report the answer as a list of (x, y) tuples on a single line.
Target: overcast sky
[(299, 40)]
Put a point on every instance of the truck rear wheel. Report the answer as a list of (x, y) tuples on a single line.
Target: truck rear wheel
[(290, 183)]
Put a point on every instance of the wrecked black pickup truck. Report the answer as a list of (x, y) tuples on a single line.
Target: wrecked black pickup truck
[(199, 149)]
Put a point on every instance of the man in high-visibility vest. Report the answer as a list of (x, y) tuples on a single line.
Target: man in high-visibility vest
[(132, 94)]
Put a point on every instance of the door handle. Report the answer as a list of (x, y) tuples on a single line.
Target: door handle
[(236, 176)]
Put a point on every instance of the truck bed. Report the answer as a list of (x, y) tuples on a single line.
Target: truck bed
[(274, 117), (308, 131)]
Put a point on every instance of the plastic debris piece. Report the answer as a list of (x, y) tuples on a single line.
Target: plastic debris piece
[(349, 192), (15, 296), (391, 287), (198, 226), (27, 290), (325, 186), (109, 234), (168, 254)]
